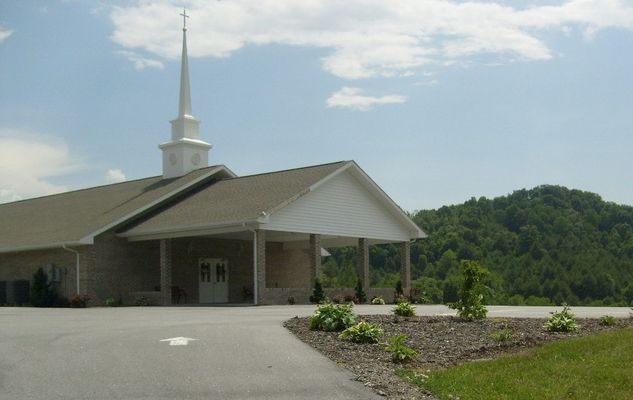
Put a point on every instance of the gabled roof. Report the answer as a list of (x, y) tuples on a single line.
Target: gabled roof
[(76, 217), (248, 202), (236, 200), (207, 199)]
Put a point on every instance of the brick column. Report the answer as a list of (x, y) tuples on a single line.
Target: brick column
[(260, 266), (363, 262), (87, 260), (405, 266), (315, 257), (165, 271)]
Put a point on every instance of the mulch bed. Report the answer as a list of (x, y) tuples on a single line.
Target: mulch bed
[(441, 342)]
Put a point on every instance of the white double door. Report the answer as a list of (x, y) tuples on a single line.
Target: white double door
[(213, 278)]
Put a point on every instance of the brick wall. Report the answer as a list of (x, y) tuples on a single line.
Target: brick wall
[(186, 253), (121, 267), (22, 266), (287, 268), (116, 268)]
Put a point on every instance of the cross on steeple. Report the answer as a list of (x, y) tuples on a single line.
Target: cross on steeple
[(184, 18), (186, 151)]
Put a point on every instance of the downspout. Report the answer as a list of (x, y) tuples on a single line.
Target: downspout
[(255, 288), (76, 263)]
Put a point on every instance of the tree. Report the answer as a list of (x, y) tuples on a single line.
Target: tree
[(317, 294), (361, 296), (470, 304), (42, 294), (548, 244)]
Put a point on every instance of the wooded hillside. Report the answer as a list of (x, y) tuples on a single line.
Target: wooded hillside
[(546, 245)]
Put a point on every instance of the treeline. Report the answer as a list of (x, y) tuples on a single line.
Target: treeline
[(547, 245)]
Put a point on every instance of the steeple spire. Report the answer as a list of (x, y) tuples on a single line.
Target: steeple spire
[(184, 106), (185, 152)]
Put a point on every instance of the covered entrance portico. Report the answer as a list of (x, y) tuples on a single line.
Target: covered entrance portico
[(259, 239), (255, 266)]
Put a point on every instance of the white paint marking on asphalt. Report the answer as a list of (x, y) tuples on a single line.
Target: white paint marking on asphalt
[(178, 341)]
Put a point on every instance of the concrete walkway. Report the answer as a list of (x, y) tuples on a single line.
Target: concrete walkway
[(239, 353)]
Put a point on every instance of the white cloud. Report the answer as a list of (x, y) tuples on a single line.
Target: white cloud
[(28, 160), (141, 62), (4, 34), (115, 176), (353, 98), (365, 38)]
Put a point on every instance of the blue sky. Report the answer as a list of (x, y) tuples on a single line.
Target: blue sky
[(438, 101)]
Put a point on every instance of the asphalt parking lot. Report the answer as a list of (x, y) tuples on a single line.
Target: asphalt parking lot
[(145, 353)]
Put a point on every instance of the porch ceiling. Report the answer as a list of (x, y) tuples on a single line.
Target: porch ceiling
[(289, 239)]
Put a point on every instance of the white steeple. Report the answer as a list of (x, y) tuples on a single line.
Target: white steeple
[(185, 152)]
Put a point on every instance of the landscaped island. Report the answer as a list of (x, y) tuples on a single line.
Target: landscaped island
[(602, 363)]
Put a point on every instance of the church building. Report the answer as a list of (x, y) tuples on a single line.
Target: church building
[(200, 233)]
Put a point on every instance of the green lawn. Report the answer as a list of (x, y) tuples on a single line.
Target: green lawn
[(593, 367)]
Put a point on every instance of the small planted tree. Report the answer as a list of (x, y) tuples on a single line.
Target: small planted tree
[(398, 296), (42, 294), (470, 302), (399, 291), (361, 296), (317, 294)]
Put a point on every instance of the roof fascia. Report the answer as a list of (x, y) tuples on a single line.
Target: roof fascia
[(189, 230), (308, 189), (386, 200), (228, 171), (90, 237), (41, 247), (339, 171)]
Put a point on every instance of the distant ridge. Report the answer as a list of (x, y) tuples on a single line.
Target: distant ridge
[(545, 245)]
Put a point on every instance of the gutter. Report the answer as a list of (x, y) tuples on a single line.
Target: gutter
[(77, 255), (40, 247)]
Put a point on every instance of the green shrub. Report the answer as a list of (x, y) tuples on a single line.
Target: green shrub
[(607, 320), (362, 332), (111, 302), (79, 301), (333, 317), (378, 300), (502, 335), (142, 301), (404, 309), (397, 299), (42, 293), (350, 298), (563, 321), (470, 303), (361, 296), (317, 294), (400, 352), (417, 296), (399, 293), (291, 300)]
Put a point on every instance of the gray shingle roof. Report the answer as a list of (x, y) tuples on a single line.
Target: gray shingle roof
[(237, 199), (69, 217)]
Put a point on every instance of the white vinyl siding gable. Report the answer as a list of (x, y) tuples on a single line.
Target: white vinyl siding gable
[(341, 206)]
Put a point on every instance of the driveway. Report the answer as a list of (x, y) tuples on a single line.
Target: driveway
[(239, 353)]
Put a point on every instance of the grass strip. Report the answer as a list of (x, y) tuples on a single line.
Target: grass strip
[(591, 367)]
